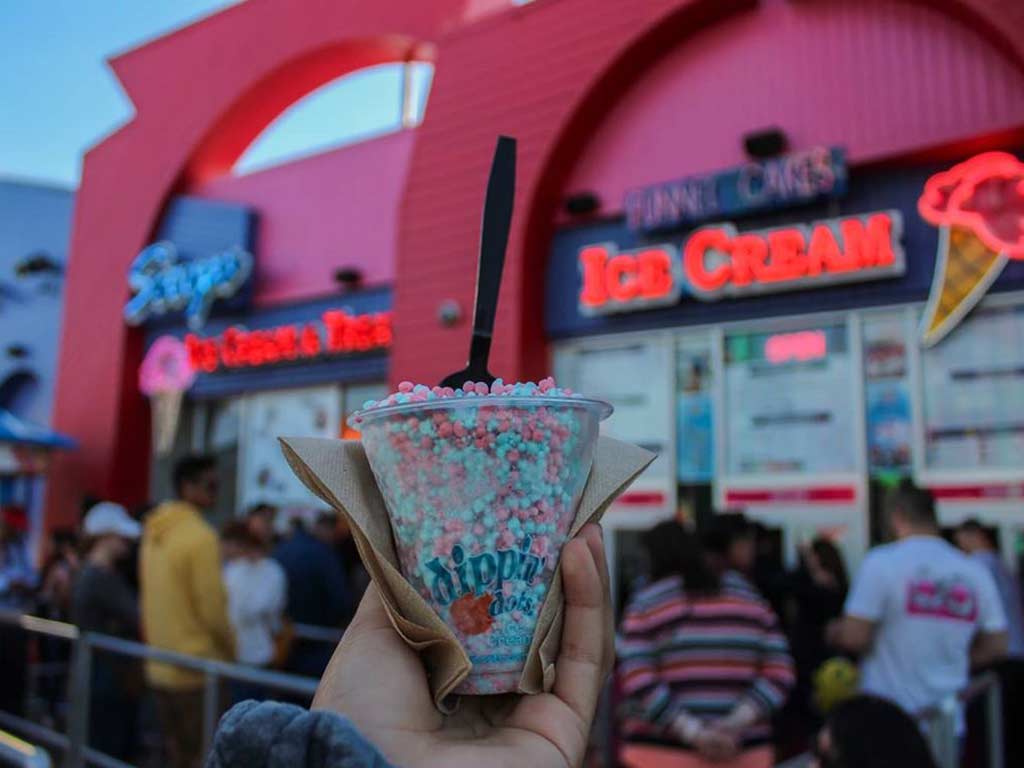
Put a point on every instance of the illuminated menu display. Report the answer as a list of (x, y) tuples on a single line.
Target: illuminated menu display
[(788, 409)]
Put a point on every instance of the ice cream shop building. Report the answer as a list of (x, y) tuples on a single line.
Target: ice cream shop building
[(785, 238)]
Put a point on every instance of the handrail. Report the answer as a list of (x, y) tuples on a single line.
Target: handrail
[(941, 721), (243, 672), (15, 751), (317, 633), (84, 644)]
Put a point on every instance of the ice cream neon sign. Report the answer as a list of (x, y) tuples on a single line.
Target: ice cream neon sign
[(719, 261), (341, 333), (161, 282), (978, 206)]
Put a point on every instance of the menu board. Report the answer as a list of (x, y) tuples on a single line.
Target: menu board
[(634, 378), (974, 393), (264, 475), (695, 448), (887, 392), (788, 406)]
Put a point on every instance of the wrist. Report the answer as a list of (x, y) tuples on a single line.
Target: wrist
[(742, 716), (687, 727)]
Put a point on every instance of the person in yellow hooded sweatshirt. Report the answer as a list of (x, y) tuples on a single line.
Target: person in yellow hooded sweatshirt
[(184, 604)]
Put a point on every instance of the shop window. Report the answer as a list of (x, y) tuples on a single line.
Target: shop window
[(973, 386), (787, 409), (353, 108), (636, 378), (887, 394), (263, 473)]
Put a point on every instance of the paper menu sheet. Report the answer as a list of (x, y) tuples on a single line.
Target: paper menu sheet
[(974, 393), (788, 417)]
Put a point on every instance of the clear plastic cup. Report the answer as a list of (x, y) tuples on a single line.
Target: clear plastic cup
[(481, 492)]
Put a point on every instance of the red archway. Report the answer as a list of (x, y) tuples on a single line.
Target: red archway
[(566, 78), (541, 72), (201, 95)]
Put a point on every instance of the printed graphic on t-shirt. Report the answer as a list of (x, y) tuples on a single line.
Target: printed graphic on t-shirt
[(949, 598)]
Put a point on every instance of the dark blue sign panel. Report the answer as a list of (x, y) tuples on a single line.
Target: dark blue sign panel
[(888, 189), (202, 256), (792, 179), (371, 365)]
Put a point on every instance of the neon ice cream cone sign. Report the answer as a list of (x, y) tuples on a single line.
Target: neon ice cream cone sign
[(978, 206)]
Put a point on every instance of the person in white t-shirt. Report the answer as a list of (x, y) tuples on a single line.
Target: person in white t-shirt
[(920, 612), (257, 591)]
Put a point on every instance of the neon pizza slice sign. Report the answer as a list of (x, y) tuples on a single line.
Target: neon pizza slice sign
[(161, 282), (719, 261)]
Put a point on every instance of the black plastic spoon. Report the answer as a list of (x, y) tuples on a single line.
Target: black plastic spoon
[(493, 239)]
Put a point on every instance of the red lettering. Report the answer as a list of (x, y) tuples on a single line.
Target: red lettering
[(870, 246), (697, 275), (309, 341), (823, 252), (335, 321), (654, 273), (749, 253), (195, 357), (788, 260), (621, 278), (382, 333), (593, 259), (287, 340)]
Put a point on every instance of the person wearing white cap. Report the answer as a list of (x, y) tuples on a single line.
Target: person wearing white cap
[(103, 602)]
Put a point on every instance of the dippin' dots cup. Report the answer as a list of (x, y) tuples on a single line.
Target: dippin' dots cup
[(481, 492)]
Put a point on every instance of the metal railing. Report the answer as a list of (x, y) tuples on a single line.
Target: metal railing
[(73, 743), (941, 725), (14, 751), (942, 722)]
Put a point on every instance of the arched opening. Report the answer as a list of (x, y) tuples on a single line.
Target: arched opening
[(263, 103), (352, 108)]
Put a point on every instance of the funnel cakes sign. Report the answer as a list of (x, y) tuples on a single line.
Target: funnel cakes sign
[(718, 261), (978, 206)]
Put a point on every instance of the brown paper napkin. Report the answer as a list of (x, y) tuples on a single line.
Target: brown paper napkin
[(337, 471)]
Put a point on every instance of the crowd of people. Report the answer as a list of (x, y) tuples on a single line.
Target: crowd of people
[(726, 658), (723, 657), (164, 576)]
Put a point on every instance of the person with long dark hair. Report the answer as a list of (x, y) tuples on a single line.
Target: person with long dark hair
[(702, 669), (871, 732)]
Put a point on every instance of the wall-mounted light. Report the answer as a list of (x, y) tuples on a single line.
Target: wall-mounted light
[(449, 312), (768, 142), (582, 203), (348, 278)]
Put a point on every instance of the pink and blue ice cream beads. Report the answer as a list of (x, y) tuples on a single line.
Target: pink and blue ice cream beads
[(481, 484)]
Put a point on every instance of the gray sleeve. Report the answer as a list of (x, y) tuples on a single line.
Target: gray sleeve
[(122, 603), (274, 735)]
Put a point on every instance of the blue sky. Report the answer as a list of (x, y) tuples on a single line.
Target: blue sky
[(59, 97)]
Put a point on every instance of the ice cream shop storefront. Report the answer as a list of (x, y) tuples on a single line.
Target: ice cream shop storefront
[(793, 333), (226, 375)]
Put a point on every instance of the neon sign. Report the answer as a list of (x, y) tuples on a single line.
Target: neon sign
[(978, 206), (720, 261), (338, 333), (161, 283), (791, 179), (795, 347)]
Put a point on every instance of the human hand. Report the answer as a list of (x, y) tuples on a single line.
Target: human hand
[(717, 744), (378, 682)]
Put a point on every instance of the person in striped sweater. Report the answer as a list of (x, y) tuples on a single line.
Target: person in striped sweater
[(701, 669)]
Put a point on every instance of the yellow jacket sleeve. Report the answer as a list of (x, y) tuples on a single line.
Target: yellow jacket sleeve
[(209, 595)]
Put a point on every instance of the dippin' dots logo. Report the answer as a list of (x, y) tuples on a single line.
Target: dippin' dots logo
[(474, 586)]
